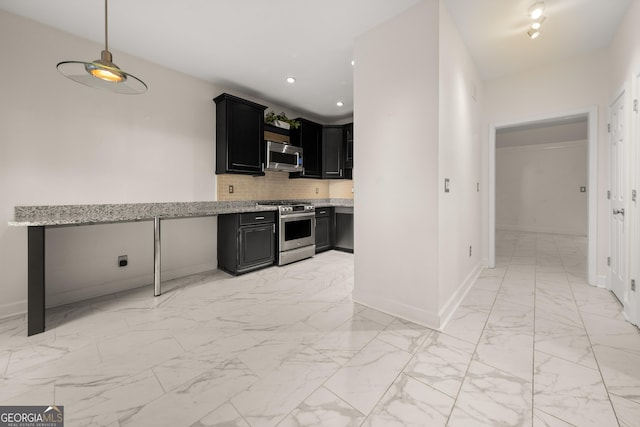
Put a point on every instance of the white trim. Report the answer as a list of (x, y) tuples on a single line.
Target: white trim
[(454, 302), (544, 147), (592, 189), (533, 229), (427, 318), (602, 281), (13, 309)]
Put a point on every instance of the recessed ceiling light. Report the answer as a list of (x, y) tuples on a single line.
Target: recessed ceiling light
[(291, 80), (536, 10), (339, 103), (353, 62)]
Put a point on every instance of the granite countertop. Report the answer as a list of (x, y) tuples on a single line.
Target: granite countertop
[(59, 215)]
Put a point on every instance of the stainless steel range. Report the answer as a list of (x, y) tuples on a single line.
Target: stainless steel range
[(297, 231)]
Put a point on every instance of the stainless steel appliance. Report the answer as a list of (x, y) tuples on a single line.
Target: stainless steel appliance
[(296, 231), (284, 157)]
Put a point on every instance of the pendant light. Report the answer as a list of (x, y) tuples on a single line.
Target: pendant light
[(103, 73)]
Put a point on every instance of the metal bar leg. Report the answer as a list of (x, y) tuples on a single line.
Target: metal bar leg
[(35, 268), (156, 257)]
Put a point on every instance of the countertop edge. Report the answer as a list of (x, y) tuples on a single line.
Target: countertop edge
[(75, 215)]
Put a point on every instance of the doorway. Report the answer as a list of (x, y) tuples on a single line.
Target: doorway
[(591, 190)]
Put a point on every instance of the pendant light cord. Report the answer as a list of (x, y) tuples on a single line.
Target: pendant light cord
[(106, 28)]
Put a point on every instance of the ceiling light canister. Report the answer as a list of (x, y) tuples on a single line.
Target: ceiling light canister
[(536, 11), (339, 103), (291, 80), (533, 33)]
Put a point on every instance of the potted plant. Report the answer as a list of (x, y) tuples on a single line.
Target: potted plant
[(280, 120)]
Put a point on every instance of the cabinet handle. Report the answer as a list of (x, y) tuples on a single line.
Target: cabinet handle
[(323, 212), (274, 228), (258, 218)]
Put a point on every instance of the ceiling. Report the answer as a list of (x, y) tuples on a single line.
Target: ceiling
[(253, 45)]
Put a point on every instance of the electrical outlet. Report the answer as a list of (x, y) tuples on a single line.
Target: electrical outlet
[(123, 261), (230, 189), (583, 189), (446, 185), (317, 190)]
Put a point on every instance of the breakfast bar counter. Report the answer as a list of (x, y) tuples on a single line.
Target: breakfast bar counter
[(37, 218)]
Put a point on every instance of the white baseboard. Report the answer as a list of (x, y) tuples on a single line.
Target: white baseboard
[(456, 299), (55, 299), (13, 309), (547, 230), (602, 282), (394, 308)]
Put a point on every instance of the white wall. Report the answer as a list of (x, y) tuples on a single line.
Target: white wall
[(574, 84), (63, 143), (396, 130), (625, 70), (415, 111), (538, 188), (460, 160)]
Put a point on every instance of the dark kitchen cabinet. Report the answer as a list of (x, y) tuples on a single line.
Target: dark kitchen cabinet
[(332, 152), (239, 136), (348, 151), (246, 242), (344, 229), (324, 229), (308, 136)]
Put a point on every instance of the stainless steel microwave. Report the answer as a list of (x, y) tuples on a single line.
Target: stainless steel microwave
[(284, 157)]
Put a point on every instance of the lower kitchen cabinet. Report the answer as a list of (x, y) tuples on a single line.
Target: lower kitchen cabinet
[(344, 229), (246, 241), (324, 229)]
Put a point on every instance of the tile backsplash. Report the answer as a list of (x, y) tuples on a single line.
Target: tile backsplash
[(278, 186)]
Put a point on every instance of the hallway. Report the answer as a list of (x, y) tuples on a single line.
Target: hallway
[(557, 341)]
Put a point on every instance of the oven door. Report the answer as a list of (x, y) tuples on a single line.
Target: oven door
[(297, 230)]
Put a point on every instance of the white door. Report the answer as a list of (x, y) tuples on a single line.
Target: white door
[(618, 188)]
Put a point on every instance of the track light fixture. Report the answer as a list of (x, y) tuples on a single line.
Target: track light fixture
[(536, 14)]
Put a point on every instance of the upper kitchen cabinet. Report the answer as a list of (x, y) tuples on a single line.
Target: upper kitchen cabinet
[(333, 152), (348, 151), (308, 136), (239, 136)]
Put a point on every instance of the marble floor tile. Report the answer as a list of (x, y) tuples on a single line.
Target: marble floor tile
[(410, 403), (571, 392), (225, 415), (404, 335), (490, 397), (323, 408), (508, 351), (531, 344), (627, 411), (363, 380), (270, 399), (441, 363)]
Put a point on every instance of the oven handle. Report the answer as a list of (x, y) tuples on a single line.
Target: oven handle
[(298, 215)]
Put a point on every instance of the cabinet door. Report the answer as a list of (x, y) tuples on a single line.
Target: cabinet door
[(344, 231), (309, 137), (257, 245), (323, 233), (239, 136), (332, 152), (348, 149)]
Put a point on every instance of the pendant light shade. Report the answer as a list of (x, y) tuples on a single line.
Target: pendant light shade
[(103, 73)]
